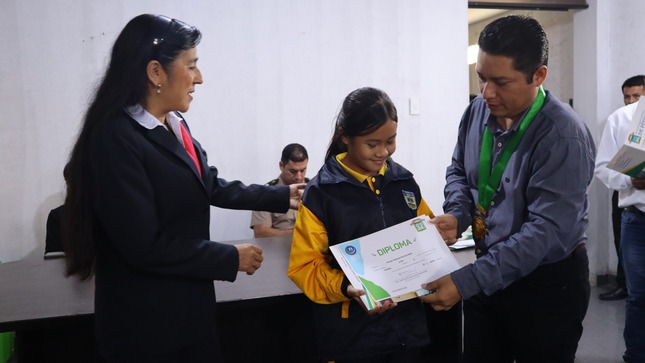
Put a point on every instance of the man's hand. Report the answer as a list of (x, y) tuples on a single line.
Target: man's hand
[(250, 258), (295, 193), (443, 293), (638, 183), (447, 226)]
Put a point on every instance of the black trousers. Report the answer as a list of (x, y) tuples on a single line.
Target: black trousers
[(206, 350), (536, 319), (406, 356)]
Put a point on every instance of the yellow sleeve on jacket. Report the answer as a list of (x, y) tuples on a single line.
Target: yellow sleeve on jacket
[(424, 209), (309, 266)]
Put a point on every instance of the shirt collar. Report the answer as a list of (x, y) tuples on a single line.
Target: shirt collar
[(495, 128), (361, 178), (145, 119)]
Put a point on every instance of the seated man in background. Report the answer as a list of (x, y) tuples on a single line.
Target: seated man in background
[(293, 167)]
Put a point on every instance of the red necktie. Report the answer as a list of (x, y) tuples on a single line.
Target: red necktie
[(190, 148)]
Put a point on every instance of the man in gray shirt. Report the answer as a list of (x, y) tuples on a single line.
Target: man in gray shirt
[(519, 175), (293, 167)]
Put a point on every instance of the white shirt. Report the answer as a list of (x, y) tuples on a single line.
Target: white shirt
[(613, 137), (145, 119)]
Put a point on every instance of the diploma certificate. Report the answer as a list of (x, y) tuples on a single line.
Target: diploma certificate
[(630, 158), (391, 264)]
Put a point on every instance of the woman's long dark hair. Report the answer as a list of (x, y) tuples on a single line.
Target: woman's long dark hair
[(125, 83), (364, 111)]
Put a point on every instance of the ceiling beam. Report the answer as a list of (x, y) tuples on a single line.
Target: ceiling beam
[(530, 4)]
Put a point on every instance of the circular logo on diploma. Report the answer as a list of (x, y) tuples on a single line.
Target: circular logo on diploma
[(350, 250)]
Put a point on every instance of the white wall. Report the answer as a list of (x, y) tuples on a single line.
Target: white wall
[(275, 72)]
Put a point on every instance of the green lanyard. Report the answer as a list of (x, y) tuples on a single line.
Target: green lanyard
[(489, 182)]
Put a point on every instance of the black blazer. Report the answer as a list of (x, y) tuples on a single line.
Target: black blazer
[(155, 263)]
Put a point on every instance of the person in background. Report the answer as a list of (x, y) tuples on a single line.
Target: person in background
[(137, 209), (67, 343), (632, 89), (293, 167), (358, 191), (53, 242), (631, 199), (519, 175)]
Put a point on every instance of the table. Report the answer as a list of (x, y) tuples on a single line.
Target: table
[(37, 299), (35, 289)]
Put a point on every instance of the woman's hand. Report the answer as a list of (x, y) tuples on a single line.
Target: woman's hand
[(356, 294), (250, 258), (295, 193)]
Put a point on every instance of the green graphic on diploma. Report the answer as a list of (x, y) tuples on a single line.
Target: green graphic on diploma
[(394, 262)]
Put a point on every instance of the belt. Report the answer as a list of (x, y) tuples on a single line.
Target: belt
[(580, 249), (633, 209)]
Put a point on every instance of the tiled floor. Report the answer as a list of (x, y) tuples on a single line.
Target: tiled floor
[(602, 338)]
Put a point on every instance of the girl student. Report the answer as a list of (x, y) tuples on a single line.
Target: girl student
[(358, 191)]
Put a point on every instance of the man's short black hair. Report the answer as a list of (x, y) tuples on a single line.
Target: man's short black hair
[(294, 152), (634, 81), (520, 38)]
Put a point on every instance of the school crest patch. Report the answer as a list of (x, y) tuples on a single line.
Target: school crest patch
[(410, 199)]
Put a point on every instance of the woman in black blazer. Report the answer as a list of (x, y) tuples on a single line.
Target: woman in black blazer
[(138, 202)]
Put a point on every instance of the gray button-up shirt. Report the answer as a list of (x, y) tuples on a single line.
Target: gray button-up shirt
[(539, 212)]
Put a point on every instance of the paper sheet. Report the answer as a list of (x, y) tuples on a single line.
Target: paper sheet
[(393, 263)]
